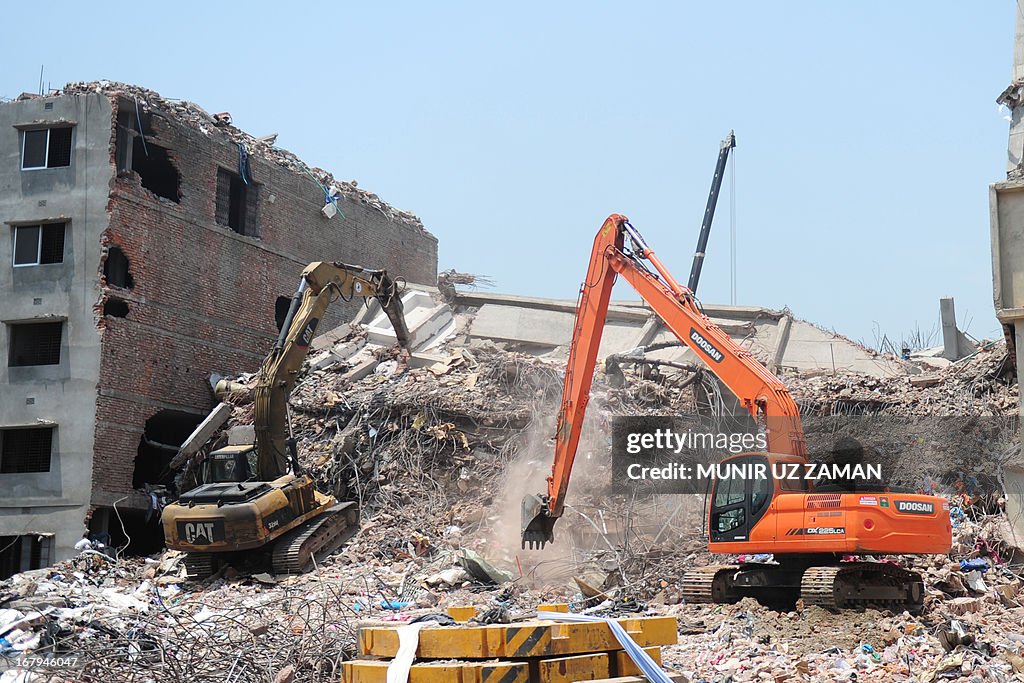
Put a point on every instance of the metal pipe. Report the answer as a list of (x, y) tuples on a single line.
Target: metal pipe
[(292, 309), (648, 253)]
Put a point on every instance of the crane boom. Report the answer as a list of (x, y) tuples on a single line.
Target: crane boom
[(709, 211), (758, 390)]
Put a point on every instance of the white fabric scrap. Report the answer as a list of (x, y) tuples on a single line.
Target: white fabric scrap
[(408, 641)]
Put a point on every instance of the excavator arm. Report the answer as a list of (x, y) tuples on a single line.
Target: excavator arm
[(758, 390), (321, 283)]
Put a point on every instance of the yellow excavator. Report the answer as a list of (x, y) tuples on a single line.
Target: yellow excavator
[(256, 498)]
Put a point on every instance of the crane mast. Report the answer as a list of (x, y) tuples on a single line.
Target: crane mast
[(709, 211)]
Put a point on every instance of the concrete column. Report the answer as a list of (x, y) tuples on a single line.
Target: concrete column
[(1018, 47), (950, 335), (1012, 99), (1018, 336), (781, 342)]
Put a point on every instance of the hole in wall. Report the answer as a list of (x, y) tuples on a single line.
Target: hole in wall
[(163, 435), (156, 171), (116, 269), (115, 307), (281, 307), (134, 532)]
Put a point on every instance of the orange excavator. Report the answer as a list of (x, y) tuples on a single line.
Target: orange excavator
[(806, 532)]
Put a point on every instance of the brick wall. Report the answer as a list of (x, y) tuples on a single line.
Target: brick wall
[(203, 296)]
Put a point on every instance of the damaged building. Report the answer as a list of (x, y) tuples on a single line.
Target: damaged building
[(151, 244)]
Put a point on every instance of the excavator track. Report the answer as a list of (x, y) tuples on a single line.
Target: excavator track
[(862, 584), (699, 585), (293, 551), (198, 566)]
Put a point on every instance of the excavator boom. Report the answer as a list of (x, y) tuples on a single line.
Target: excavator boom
[(758, 390), (321, 283)]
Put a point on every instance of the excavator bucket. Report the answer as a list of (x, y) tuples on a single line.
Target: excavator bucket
[(538, 526)]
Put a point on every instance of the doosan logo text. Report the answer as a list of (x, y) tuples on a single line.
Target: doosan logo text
[(706, 346), (914, 507)]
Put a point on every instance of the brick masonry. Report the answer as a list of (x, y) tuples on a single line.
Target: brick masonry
[(203, 297)]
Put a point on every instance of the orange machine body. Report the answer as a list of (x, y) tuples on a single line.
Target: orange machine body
[(785, 517)]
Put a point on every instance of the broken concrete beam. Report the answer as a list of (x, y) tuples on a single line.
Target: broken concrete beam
[(330, 337), (338, 354), (648, 332), (206, 429), (924, 381), (424, 360), (240, 435), (781, 342), (360, 371), (424, 318), (955, 344)]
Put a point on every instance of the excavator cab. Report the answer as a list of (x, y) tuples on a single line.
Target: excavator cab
[(230, 464), (738, 503)]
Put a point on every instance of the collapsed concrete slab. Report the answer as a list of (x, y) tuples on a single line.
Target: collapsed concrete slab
[(543, 327)]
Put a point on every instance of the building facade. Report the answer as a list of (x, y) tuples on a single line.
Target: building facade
[(150, 246)]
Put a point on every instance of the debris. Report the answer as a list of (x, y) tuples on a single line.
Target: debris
[(202, 433), (961, 606), (975, 582), (481, 569), (285, 675), (453, 576), (430, 455)]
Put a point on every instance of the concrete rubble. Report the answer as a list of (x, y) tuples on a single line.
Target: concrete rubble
[(438, 451), (264, 146)]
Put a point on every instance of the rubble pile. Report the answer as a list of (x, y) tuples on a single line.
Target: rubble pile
[(748, 642), (438, 455), (982, 384), (97, 618), (195, 116)]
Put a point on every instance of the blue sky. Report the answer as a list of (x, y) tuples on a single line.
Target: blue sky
[(867, 132)]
